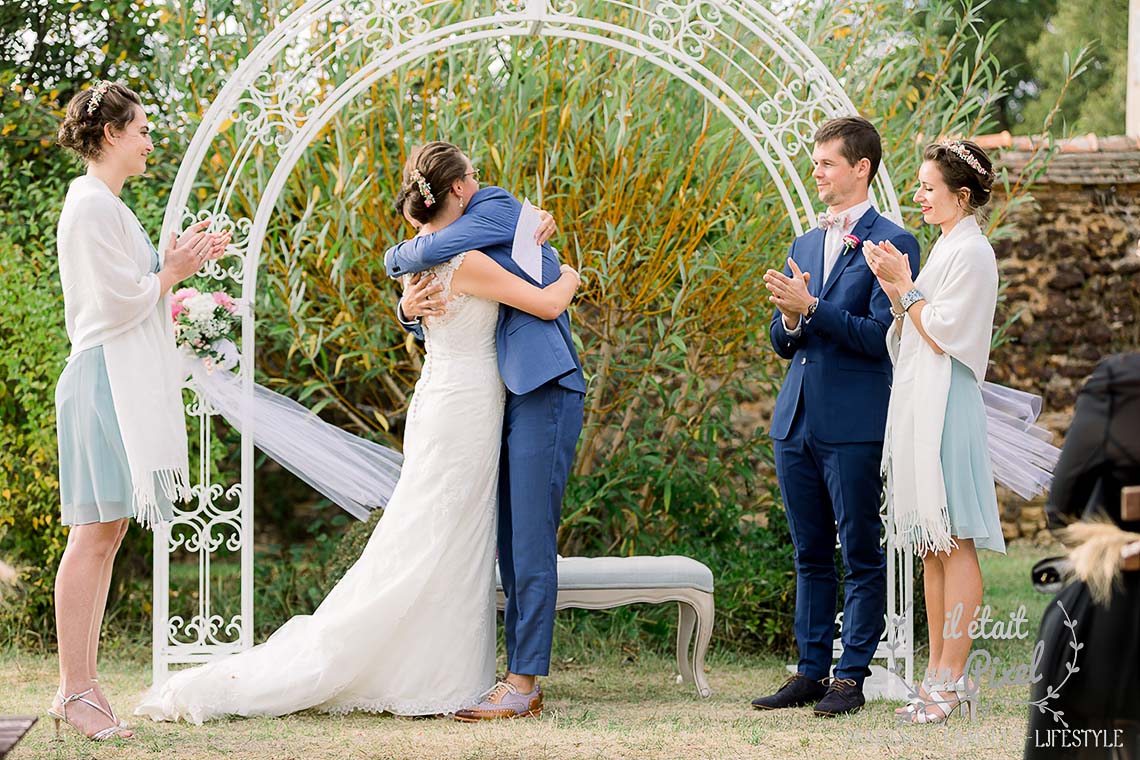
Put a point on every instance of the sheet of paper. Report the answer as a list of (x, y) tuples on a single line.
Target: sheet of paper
[(525, 252)]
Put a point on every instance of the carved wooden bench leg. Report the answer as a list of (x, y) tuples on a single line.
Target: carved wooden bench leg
[(705, 613), (686, 623), (695, 611)]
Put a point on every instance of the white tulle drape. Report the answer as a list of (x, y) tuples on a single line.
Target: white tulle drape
[(1020, 452), (355, 474)]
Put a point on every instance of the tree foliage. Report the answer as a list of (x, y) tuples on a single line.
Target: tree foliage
[(1095, 102), (1021, 23)]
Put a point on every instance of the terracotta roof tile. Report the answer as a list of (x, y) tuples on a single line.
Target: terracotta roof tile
[(1089, 143), (1080, 160)]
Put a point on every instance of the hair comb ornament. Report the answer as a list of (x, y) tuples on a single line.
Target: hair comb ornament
[(97, 93), (959, 150), (425, 188)]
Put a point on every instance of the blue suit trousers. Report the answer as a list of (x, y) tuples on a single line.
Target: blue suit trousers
[(830, 484), (540, 433)]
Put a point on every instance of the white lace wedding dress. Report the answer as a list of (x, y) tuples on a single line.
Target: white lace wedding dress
[(410, 628)]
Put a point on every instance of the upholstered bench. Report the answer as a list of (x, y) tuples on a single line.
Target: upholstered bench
[(599, 583)]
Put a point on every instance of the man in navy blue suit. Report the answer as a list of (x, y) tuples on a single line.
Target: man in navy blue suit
[(545, 397), (827, 427)]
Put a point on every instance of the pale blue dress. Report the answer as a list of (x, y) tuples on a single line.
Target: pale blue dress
[(966, 471), (94, 477)]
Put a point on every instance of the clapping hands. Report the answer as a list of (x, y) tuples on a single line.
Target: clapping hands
[(890, 265), (790, 294), (186, 253)]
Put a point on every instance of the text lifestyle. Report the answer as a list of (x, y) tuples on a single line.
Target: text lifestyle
[(979, 627), (1078, 738)]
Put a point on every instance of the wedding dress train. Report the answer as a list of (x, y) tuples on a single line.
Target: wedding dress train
[(410, 628)]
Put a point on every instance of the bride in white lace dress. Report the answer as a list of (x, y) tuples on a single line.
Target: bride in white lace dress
[(410, 628)]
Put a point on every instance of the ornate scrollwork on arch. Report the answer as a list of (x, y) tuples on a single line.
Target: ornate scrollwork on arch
[(203, 530), (392, 23), (558, 14), (685, 25), (209, 525), (511, 6), (794, 111), (276, 106), (204, 630), (563, 7)]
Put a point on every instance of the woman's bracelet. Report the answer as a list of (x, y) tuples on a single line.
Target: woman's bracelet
[(910, 298), (897, 314)]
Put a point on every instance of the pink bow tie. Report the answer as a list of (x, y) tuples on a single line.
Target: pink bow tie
[(826, 220)]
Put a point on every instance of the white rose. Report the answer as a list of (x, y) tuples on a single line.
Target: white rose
[(200, 307)]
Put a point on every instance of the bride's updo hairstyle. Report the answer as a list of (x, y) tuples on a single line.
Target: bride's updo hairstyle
[(428, 175), (965, 168), (90, 111)]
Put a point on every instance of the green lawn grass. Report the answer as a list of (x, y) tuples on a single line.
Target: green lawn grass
[(601, 703)]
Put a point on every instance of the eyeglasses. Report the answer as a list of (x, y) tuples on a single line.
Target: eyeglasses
[(473, 173)]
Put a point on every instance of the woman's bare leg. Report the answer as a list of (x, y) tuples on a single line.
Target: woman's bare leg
[(963, 586), (933, 586), (961, 598), (77, 592), (100, 609)]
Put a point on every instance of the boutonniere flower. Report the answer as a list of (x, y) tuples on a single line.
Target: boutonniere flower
[(849, 243)]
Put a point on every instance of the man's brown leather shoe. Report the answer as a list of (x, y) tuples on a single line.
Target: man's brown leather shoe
[(501, 702)]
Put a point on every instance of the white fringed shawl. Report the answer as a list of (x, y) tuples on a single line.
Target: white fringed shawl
[(112, 299), (960, 284)]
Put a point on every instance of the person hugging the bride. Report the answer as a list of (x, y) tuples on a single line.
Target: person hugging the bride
[(410, 628)]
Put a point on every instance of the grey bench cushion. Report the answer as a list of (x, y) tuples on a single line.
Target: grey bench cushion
[(673, 571)]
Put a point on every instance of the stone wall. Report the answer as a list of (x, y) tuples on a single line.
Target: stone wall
[(1072, 268)]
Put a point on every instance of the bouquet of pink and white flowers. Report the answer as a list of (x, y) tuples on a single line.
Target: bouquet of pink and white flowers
[(203, 323)]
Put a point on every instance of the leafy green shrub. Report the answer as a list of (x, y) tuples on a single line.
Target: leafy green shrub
[(34, 351), (35, 348)]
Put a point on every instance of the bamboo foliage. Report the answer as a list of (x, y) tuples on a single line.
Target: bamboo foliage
[(667, 212)]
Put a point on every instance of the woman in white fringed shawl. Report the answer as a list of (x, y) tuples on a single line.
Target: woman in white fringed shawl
[(940, 487), (119, 418)]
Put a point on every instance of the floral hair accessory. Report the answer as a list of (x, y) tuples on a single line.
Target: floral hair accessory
[(849, 242), (959, 150), (97, 93), (425, 188)]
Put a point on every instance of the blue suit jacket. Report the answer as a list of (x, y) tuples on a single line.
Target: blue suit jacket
[(840, 371), (532, 351)]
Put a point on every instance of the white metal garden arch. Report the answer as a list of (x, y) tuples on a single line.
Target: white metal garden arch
[(736, 53)]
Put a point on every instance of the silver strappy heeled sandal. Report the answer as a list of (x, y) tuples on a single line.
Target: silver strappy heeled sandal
[(111, 732), (946, 699), (122, 723), (916, 703)]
